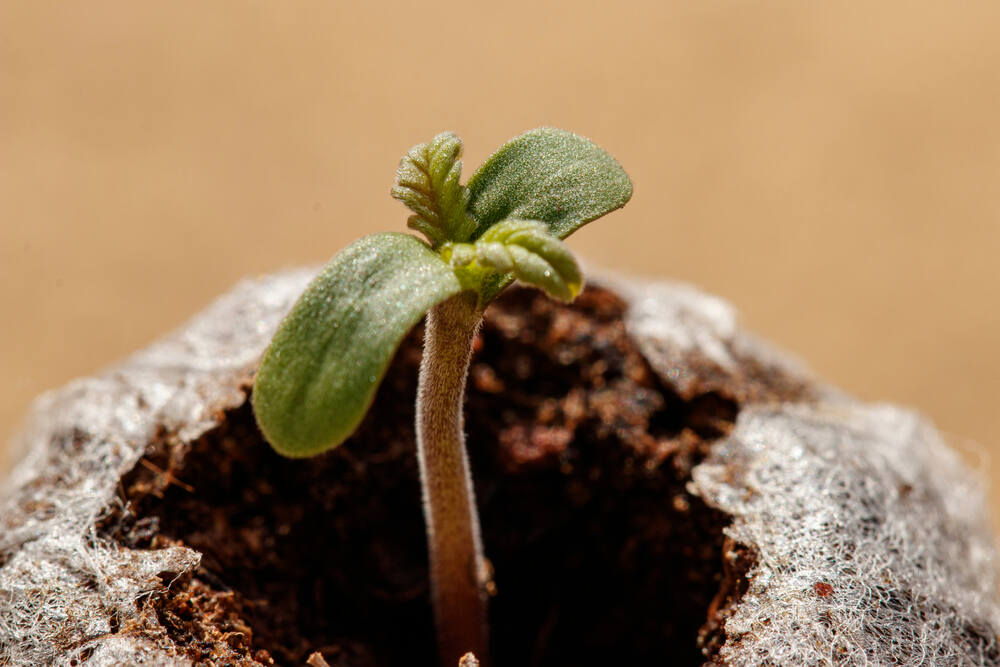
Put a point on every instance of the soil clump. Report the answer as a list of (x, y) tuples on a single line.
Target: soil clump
[(580, 456)]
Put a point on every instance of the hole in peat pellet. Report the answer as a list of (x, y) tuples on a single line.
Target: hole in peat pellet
[(580, 459)]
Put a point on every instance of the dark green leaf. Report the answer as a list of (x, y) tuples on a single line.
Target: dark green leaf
[(319, 375), (550, 175)]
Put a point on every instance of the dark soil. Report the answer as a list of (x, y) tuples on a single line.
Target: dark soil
[(580, 456)]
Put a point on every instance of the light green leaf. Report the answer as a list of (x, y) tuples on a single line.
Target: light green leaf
[(550, 175), (319, 375), (527, 251), (427, 181)]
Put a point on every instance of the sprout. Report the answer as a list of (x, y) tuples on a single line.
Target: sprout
[(320, 373)]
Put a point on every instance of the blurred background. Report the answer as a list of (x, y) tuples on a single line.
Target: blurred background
[(831, 169)]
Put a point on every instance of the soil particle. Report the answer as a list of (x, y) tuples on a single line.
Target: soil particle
[(581, 458), (737, 561)]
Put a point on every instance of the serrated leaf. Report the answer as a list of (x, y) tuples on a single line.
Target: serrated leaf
[(527, 251), (427, 181), (320, 373), (549, 175)]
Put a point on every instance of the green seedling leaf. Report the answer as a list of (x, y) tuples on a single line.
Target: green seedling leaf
[(549, 175), (319, 375), (527, 251), (427, 181)]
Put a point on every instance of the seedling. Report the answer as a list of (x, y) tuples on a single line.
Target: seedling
[(319, 375)]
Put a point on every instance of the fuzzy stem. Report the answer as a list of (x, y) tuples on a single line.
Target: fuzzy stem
[(457, 568)]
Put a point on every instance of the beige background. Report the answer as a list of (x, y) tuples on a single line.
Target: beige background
[(830, 168)]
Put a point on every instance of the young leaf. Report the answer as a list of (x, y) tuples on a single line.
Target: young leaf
[(526, 249), (550, 175), (427, 182), (319, 375)]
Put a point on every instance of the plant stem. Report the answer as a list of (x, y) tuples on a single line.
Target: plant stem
[(457, 567)]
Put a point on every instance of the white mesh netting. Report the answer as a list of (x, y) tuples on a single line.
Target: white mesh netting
[(869, 536), (61, 586)]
